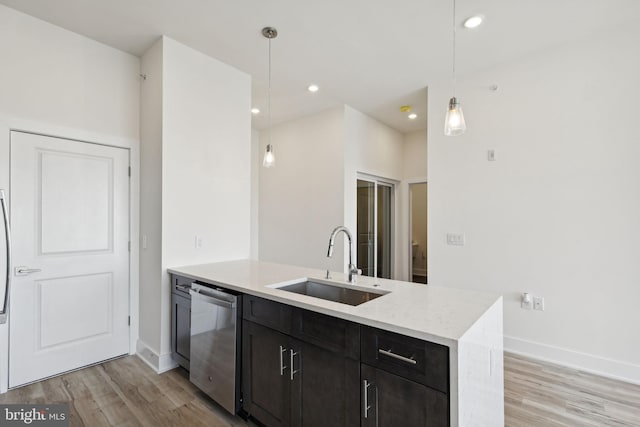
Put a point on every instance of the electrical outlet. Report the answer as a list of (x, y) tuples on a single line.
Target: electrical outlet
[(144, 241), (538, 303), (455, 239), (491, 155), (198, 242)]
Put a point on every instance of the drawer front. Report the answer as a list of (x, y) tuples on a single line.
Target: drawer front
[(181, 285), (267, 313), (420, 361), (330, 333)]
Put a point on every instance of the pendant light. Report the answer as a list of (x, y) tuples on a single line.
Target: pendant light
[(269, 158), (454, 121)]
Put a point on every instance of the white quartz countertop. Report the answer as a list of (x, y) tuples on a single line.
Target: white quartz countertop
[(433, 313)]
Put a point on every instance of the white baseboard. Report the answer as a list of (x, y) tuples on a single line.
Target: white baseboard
[(609, 368), (159, 363)]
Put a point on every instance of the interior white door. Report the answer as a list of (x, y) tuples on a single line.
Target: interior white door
[(70, 224)]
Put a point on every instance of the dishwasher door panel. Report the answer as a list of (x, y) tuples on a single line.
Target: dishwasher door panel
[(214, 321)]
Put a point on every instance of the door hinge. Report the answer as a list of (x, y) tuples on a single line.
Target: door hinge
[(129, 171), (129, 245), (129, 320)]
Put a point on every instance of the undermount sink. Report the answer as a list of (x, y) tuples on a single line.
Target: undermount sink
[(331, 292)]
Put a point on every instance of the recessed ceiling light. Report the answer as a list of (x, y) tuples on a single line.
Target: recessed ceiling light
[(255, 111), (313, 88), (412, 116), (473, 21)]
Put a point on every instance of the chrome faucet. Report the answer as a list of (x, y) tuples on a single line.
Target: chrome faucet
[(353, 270)]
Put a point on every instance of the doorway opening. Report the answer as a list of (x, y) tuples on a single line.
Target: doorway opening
[(375, 226), (418, 232)]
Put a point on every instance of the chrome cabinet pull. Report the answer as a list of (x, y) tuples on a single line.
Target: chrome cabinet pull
[(292, 371), (365, 390), (7, 235), (397, 356), (282, 365)]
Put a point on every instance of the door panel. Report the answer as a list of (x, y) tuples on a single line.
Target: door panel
[(56, 315), (325, 389), (79, 218), (70, 218), (393, 401), (265, 374)]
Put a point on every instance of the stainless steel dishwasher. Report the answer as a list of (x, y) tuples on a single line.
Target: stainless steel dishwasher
[(215, 344)]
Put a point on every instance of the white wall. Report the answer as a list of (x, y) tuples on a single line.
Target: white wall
[(151, 196), (59, 83), (256, 164), (301, 197), (415, 155), (557, 213), (374, 148), (312, 188), (205, 143), (415, 170)]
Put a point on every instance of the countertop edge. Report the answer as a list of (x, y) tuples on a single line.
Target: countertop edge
[(449, 341)]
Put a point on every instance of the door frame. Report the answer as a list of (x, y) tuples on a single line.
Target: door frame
[(11, 124), (411, 182), (387, 182)]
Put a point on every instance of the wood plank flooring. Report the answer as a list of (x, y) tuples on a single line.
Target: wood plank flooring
[(126, 392), (541, 394)]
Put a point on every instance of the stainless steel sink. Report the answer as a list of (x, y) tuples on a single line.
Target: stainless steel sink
[(332, 292)]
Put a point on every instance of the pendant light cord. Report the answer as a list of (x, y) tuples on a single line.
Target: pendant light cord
[(453, 66), (269, 95)]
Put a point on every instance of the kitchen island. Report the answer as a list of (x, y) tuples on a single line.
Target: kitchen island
[(467, 323)]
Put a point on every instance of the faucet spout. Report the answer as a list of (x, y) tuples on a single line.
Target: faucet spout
[(353, 270)]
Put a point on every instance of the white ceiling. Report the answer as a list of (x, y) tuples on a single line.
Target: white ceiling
[(374, 55)]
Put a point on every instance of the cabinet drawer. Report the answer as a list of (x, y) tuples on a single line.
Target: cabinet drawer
[(421, 361), (267, 313), (330, 333)]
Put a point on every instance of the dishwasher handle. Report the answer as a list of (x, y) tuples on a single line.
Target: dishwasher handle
[(212, 299)]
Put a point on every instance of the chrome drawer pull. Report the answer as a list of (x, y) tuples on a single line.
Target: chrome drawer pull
[(291, 362), (282, 365), (397, 356), (365, 390)]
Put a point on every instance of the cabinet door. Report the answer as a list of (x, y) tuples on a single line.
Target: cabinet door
[(181, 329), (265, 375), (393, 401), (325, 387)]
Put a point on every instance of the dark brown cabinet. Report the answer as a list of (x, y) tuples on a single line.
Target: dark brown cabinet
[(405, 381), (266, 381), (325, 390), (309, 377), (181, 321), (389, 400)]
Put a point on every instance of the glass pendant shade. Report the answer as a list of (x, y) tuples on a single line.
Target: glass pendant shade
[(269, 158), (454, 121)]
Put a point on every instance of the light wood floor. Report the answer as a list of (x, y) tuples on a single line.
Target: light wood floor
[(126, 392), (541, 394)]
